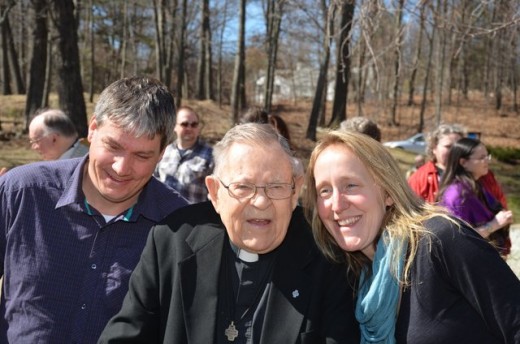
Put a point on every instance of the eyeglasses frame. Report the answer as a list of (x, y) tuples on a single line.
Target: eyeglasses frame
[(255, 190)]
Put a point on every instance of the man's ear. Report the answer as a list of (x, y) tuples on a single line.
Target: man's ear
[(91, 128), (213, 184), (298, 184)]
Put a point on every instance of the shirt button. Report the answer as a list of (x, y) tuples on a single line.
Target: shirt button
[(93, 266), (83, 306)]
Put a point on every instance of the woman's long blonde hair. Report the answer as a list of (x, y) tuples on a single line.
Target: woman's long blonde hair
[(403, 220)]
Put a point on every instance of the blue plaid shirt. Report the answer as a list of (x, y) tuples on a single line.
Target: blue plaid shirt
[(185, 171), (65, 269)]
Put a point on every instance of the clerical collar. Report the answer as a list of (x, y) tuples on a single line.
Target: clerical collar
[(244, 255)]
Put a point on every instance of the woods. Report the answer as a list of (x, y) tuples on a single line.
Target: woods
[(396, 53)]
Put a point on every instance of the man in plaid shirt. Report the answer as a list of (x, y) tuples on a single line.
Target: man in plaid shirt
[(188, 160)]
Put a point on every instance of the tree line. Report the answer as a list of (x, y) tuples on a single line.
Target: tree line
[(395, 52)]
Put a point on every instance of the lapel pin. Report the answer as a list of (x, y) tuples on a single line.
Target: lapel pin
[(295, 293)]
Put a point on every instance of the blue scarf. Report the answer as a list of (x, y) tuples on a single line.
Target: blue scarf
[(376, 306)]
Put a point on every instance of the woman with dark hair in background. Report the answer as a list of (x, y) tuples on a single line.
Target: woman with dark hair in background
[(465, 197)]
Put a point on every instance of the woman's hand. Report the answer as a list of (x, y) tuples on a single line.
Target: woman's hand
[(503, 218)]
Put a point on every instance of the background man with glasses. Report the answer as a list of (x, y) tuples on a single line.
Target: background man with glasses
[(243, 268), (188, 160)]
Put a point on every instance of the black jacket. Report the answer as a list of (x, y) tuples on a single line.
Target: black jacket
[(173, 293)]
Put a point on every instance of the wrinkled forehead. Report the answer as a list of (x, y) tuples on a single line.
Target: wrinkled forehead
[(255, 159)]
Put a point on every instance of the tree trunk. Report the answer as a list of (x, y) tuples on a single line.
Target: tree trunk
[(92, 60), (6, 75), (48, 69), (70, 87), (442, 8), (339, 107), (514, 70), (38, 60), (417, 57), (220, 53), (489, 56), (274, 21), (124, 39), (13, 57), (204, 60), (397, 56), (424, 99), (238, 88), (180, 63), (158, 10), (320, 95)]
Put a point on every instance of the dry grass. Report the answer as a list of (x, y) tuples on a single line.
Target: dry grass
[(497, 128)]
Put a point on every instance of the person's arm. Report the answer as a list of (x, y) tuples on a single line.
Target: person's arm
[(501, 219), (139, 318)]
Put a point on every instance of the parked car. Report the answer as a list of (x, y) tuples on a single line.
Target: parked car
[(416, 144)]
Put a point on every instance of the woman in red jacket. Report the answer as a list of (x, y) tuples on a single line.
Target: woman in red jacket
[(425, 181)]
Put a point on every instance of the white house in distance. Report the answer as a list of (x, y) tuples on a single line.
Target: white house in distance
[(301, 84), (293, 85)]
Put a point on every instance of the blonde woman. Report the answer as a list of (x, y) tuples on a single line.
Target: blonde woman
[(420, 275)]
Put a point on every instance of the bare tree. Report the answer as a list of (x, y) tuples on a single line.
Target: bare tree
[(418, 51), (37, 74), (124, 40), (220, 63), (320, 95), (92, 50), (11, 59), (274, 16), (514, 69), (163, 12), (6, 75), (181, 52), (70, 87), (204, 71), (426, 81), (397, 58), (238, 94), (339, 106), (440, 20)]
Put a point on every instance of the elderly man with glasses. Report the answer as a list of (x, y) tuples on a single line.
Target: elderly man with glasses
[(243, 268), (53, 135), (188, 160)]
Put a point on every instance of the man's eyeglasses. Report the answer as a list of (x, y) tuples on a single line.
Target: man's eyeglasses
[(248, 190), (31, 142), (189, 124)]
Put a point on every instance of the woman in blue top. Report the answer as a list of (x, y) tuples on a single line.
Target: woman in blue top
[(465, 197)]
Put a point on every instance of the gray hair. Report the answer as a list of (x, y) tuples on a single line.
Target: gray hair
[(362, 125), (140, 105), (56, 121), (435, 136), (253, 134)]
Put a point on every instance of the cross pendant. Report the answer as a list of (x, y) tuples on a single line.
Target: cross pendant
[(231, 332)]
